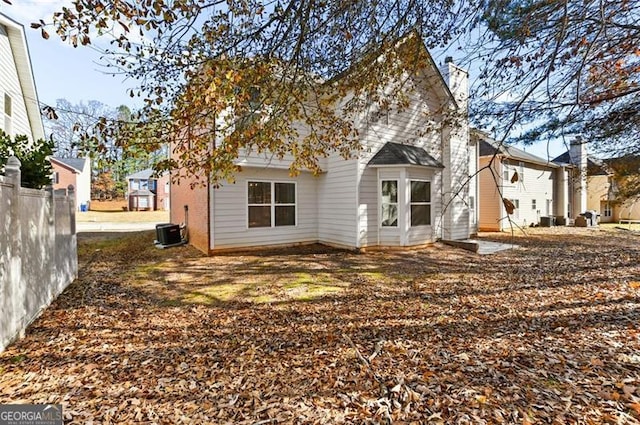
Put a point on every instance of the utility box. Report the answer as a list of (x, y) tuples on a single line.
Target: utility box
[(547, 221), (168, 234)]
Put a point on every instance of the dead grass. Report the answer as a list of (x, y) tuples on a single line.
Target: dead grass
[(109, 206), (547, 333), (123, 216)]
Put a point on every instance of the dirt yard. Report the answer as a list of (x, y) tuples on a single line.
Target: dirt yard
[(547, 333), (123, 216)]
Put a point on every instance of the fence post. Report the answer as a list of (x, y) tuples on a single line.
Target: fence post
[(71, 199), (16, 289)]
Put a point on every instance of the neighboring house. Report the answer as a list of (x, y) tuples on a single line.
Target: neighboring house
[(74, 172), (537, 188), (19, 109), (146, 192), (603, 195), (393, 194)]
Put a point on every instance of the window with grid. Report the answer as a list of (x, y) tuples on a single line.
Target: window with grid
[(389, 204), (420, 203), (271, 204)]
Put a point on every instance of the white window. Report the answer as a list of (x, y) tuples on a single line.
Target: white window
[(505, 176), (7, 114), (521, 173), (271, 204), (135, 184), (55, 179), (606, 209), (533, 204), (144, 184), (420, 203), (389, 204), (516, 211)]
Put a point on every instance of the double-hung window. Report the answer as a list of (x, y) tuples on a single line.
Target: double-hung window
[(271, 204), (420, 203), (389, 204)]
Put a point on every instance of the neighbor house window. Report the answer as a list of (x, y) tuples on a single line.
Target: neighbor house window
[(607, 210), (144, 184), (56, 178), (420, 203), (389, 191), (271, 204), (7, 114), (533, 204)]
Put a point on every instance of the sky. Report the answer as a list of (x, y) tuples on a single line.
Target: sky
[(76, 74), (60, 70)]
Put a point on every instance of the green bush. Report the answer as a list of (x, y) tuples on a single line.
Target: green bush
[(36, 167)]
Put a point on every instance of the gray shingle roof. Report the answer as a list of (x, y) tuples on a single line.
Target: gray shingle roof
[(397, 154), (142, 175), (488, 148), (75, 163), (595, 166)]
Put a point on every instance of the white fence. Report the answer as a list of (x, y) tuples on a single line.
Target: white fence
[(38, 251)]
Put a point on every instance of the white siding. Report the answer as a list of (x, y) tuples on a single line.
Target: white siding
[(414, 125), (473, 187), (455, 194), (10, 84), (83, 181), (230, 228), (337, 203), (538, 183)]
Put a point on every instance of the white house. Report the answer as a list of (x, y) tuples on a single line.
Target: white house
[(18, 98), (74, 172), (408, 186), (539, 190)]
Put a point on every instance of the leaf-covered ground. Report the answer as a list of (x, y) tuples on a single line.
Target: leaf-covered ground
[(548, 333)]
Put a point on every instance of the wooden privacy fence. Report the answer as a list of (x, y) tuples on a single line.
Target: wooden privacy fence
[(38, 250)]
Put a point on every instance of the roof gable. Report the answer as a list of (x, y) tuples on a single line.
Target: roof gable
[(77, 164), (20, 50), (595, 166), (489, 147), (145, 174), (397, 154), (413, 54)]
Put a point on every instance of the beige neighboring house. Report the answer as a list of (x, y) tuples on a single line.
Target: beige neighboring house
[(19, 109), (542, 192), (603, 193), (74, 172)]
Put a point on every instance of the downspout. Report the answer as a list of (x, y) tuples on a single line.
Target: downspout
[(442, 197), (378, 206)]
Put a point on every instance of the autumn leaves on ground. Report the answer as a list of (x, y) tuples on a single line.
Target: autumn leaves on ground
[(548, 333)]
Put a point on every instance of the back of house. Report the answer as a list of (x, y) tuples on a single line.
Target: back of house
[(407, 186)]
